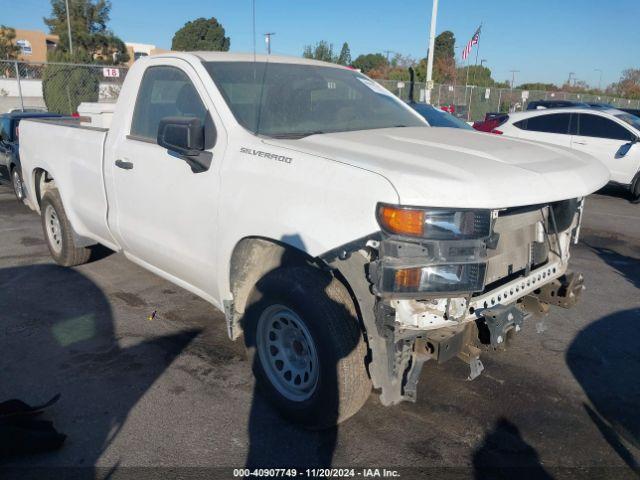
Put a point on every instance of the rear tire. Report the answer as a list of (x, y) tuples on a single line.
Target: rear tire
[(58, 232), (301, 322), (16, 182)]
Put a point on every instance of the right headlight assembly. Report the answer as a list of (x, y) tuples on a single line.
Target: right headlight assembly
[(434, 223), (431, 251)]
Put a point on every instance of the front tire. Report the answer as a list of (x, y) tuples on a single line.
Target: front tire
[(306, 345), (58, 232), (16, 182), (635, 189)]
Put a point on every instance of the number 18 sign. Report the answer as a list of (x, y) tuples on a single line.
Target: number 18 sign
[(111, 72)]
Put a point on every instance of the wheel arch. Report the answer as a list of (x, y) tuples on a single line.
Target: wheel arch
[(252, 258)]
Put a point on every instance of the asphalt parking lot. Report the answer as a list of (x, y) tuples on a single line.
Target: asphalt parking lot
[(173, 391)]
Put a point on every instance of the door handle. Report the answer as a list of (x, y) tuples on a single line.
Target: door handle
[(124, 164), (580, 143)]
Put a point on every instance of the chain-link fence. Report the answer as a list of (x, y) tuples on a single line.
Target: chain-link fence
[(61, 87), (473, 102), (57, 87)]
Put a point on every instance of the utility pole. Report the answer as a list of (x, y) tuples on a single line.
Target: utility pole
[(482, 65), (571, 74), (267, 39), (69, 27), (387, 53), (600, 80), (513, 77), (432, 43)]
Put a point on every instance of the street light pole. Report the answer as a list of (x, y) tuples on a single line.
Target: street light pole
[(432, 43), (69, 27), (267, 39), (600, 80)]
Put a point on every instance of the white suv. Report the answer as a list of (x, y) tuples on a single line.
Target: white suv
[(610, 135)]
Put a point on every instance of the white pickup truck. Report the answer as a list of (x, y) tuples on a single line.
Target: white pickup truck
[(345, 240)]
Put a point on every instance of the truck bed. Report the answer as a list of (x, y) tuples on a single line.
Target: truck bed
[(72, 151)]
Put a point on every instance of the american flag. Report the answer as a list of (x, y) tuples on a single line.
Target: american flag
[(472, 42)]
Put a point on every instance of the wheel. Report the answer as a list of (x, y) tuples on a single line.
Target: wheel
[(303, 337), (58, 232), (635, 189), (16, 182)]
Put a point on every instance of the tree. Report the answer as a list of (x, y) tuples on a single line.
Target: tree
[(64, 87), (444, 45), (629, 84), (539, 86), (322, 50), (345, 55), (370, 61), (89, 33), (8, 49), (201, 34)]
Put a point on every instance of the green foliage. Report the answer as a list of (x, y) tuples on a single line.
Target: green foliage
[(629, 84), (539, 86), (345, 55), (444, 45), (478, 75), (322, 50), (64, 87), (370, 61), (89, 33), (8, 49), (201, 35)]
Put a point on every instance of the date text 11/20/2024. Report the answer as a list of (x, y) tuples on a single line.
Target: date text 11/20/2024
[(316, 473)]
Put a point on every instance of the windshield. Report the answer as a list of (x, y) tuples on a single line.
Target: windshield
[(292, 101), (438, 118), (630, 120)]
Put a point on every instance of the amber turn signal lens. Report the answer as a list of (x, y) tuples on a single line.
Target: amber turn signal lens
[(402, 221), (408, 279)]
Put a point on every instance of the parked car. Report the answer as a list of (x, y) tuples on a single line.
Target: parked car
[(610, 135), (9, 158), (632, 111), (345, 240), (437, 117), (544, 104)]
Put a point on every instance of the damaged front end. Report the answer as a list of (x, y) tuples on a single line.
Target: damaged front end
[(449, 283)]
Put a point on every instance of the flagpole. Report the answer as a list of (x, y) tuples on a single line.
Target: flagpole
[(474, 72), (473, 80)]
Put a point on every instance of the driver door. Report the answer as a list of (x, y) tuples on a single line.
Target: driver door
[(165, 215)]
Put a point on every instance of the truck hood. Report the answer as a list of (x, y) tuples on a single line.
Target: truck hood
[(447, 167)]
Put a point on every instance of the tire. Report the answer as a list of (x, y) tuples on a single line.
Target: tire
[(635, 189), (314, 309), (16, 183), (58, 232)]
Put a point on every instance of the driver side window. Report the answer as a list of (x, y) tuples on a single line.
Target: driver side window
[(164, 92)]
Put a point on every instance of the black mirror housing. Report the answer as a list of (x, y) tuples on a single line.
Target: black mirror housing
[(188, 139), (183, 135)]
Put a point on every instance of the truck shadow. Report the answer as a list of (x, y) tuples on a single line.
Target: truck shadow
[(57, 336), (275, 442), (604, 359), (504, 454)]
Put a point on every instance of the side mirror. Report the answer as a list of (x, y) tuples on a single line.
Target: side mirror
[(624, 149), (186, 138)]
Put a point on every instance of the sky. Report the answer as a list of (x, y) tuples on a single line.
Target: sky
[(543, 39)]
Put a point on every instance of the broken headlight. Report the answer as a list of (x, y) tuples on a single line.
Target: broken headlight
[(431, 251)]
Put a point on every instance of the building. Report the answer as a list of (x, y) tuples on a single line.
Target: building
[(137, 50), (34, 45)]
